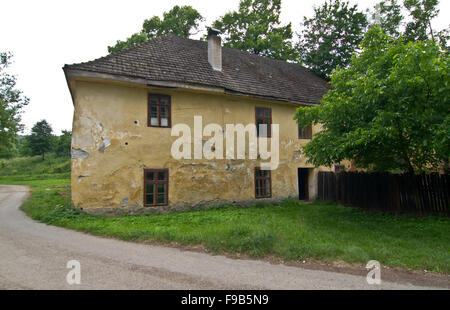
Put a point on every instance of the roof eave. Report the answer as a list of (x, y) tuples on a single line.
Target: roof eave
[(77, 73), (66, 75)]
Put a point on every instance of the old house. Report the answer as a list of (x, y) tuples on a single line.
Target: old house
[(127, 104)]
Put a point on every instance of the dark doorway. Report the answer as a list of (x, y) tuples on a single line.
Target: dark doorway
[(303, 174)]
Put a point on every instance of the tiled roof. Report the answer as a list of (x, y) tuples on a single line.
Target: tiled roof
[(175, 59)]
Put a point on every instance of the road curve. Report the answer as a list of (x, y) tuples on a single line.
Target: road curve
[(34, 256)]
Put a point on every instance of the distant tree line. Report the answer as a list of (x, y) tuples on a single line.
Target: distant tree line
[(41, 141)]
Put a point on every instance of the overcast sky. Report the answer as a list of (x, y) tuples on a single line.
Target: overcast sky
[(44, 35)]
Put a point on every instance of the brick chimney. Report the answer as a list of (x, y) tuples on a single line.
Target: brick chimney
[(214, 49)]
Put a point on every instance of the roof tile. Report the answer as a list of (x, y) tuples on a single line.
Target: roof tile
[(176, 59)]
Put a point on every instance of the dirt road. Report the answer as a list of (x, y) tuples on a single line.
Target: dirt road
[(35, 256)]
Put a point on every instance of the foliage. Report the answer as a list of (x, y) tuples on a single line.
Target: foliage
[(63, 144), (135, 39), (179, 20), (331, 36), (12, 101), (34, 166), (421, 12), (256, 28), (41, 139), (389, 110), (388, 16)]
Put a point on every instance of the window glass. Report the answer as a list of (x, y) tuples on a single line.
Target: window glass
[(161, 188), (161, 198), (150, 200), (262, 183), (159, 111), (263, 122), (305, 133), (156, 187)]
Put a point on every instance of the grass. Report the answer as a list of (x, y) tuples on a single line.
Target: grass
[(291, 230), (34, 165)]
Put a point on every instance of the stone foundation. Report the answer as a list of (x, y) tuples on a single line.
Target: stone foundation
[(139, 210)]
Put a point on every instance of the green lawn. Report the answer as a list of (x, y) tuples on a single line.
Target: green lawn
[(34, 165), (292, 230)]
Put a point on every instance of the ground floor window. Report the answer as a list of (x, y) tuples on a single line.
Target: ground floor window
[(156, 187), (263, 183)]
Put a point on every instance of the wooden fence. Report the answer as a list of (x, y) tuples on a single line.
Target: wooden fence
[(415, 194)]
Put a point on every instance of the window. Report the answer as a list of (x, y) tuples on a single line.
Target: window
[(156, 187), (263, 117), (339, 168), (305, 133), (159, 111), (263, 183)]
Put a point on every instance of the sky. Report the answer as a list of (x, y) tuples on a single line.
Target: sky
[(44, 35)]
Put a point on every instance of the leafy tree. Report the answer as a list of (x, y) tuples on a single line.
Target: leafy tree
[(388, 14), (421, 12), (389, 110), (179, 20), (63, 144), (135, 39), (256, 28), (331, 36), (11, 103), (41, 138)]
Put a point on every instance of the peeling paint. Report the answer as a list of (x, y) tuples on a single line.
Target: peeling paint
[(79, 153), (297, 155), (106, 142), (125, 202)]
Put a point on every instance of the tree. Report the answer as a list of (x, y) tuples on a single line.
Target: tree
[(256, 28), (63, 144), (388, 15), (389, 110), (179, 20), (12, 101), (331, 36), (135, 39), (421, 12), (40, 140)]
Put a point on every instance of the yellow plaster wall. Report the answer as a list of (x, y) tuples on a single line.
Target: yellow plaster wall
[(111, 176)]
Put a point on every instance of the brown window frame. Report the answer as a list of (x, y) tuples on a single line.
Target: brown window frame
[(262, 178), (305, 132), (264, 118), (155, 182), (159, 105)]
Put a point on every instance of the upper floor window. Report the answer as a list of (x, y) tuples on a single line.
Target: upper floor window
[(159, 111), (305, 133), (263, 117)]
